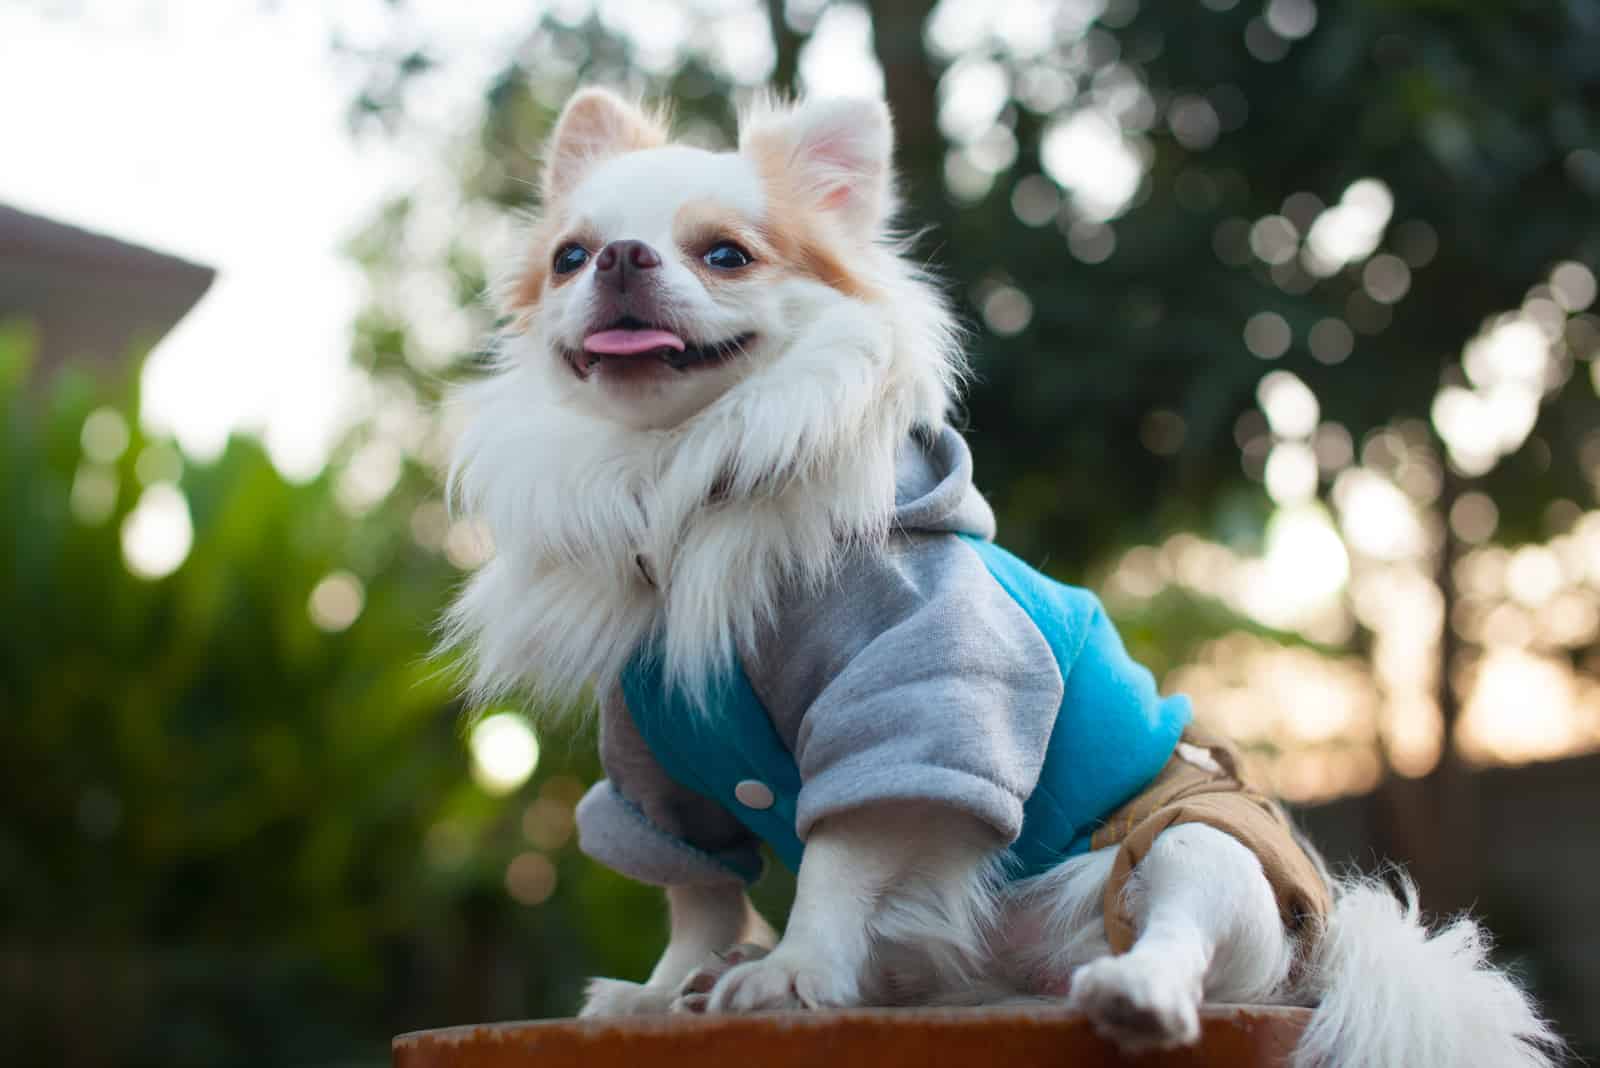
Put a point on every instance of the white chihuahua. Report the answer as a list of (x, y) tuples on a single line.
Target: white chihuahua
[(716, 463)]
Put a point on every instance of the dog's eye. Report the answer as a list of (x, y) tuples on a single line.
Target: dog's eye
[(727, 256), (570, 257)]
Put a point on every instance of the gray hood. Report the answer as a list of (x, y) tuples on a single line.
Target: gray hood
[(933, 489)]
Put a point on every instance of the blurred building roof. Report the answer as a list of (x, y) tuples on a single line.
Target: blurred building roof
[(92, 298)]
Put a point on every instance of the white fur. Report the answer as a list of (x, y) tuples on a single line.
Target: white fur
[(1208, 929), (636, 194), (1054, 924), (1391, 991), (605, 532), (706, 920), (891, 877)]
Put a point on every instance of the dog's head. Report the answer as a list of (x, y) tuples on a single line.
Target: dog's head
[(660, 274)]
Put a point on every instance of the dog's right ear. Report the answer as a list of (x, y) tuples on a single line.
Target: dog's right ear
[(596, 125), (836, 152)]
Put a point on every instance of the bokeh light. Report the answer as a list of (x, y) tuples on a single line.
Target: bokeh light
[(505, 752), (336, 601), (157, 534), (94, 494), (1088, 155), (1007, 310), (548, 822), (530, 878), (1267, 335), (1349, 230), (105, 436), (1331, 341)]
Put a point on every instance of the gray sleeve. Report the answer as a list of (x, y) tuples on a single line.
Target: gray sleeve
[(640, 822), (915, 677)]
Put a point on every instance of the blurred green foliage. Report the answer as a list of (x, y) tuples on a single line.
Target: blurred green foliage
[(231, 837)]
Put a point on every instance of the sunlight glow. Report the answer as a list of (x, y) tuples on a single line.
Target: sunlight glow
[(1526, 707), (1507, 365), (1512, 351), (157, 534), (1349, 230), (1376, 516), (1088, 156), (838, 59), (267, 349), (1525, 613), (1291, 473), (1306, 560), (1025, 28), (505, 752), (1573, 286), (743, 45), (1308, 721), (971, 95), (1290, 406)]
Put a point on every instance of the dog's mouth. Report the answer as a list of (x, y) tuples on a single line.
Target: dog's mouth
[(632, 341)]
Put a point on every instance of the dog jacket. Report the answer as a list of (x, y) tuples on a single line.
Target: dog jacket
[(933, 668)]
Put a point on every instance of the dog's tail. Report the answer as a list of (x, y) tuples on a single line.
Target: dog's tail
[(1391, 992)]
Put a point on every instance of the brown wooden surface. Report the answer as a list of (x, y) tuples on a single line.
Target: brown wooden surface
[(867, 1038)]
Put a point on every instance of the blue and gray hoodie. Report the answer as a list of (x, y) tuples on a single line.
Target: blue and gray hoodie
[(936, 668)]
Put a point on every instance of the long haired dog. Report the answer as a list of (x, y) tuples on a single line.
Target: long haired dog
[(716, 463)]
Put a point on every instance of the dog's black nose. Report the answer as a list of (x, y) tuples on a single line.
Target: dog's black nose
[(620, 259)]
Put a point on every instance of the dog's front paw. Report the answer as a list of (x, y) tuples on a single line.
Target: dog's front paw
[(617, 997), (1138, 1004), (694, 993), (786, 979)]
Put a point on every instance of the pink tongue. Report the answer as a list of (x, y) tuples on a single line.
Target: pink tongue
[(631, 342)]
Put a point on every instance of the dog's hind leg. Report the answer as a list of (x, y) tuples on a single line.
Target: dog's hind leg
[(1207, 929)]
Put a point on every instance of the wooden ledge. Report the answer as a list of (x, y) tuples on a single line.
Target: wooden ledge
[(1232, 1037)]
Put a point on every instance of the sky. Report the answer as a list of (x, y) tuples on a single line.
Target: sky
[(215, 130)]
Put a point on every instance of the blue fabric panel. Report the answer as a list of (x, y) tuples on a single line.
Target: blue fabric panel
[(712, 749), (1114, 732)]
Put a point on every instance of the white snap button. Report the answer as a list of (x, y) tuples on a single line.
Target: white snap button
[(754, 794)]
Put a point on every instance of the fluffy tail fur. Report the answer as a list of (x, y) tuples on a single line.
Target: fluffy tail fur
[(1392, 992)]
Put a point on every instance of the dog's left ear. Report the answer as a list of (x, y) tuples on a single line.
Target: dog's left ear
[(835, 153)]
